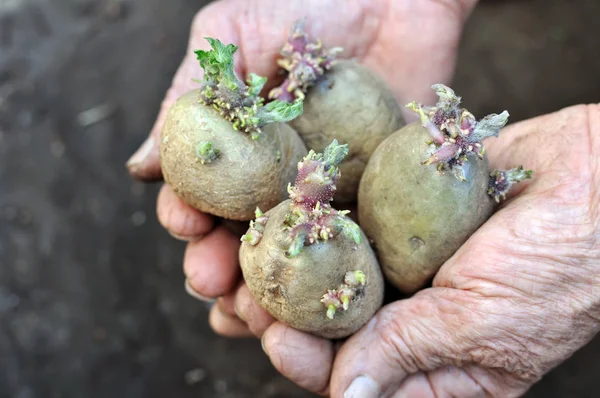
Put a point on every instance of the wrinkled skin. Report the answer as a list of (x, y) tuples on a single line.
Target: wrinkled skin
[(417, 216), (353, 105), (290, 289), (246, 175), (517, 299)]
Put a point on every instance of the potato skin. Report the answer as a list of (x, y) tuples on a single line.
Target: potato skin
[(290, 289), (416, 216), (353, 105), (247, 173)]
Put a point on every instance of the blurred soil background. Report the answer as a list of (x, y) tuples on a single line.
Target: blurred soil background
[(91, 288)]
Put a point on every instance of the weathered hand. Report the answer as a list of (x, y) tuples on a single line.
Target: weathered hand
[(516, 300), (411, 44)]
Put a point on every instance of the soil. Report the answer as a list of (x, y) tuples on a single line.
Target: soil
[(92, 302)]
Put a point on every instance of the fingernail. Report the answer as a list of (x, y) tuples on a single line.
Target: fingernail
[(141, 154), (190, 290), (237, 312), (262, 344), (186, 238), (362, 387)]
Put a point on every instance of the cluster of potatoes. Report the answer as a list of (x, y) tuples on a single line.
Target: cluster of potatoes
[(332, 137)]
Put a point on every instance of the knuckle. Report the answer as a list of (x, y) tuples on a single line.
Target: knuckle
[(512, 356), (242, 310), (188, 224), (274, 342), (516, 338), (198, 284), (167, 209), (402, 337), (180, 221), (225, 325), (215, 320)]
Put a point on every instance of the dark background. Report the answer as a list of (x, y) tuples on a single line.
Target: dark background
[(91, 288)]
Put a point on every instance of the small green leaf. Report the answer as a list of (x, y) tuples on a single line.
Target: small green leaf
[(280, 111), (218, 63), (353, 231), (335, 153), (349, 227), (256, 84), (447, 96), (518, 174), (296, 246), (489, 126)]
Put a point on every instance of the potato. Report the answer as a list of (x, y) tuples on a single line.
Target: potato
[(354, 106), (291, 289), (416, 216), (222, 149), (427, 189), (309, 265), (246, 174), (343, 100)]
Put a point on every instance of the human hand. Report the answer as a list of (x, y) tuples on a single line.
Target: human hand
[(411, 44), (520, 296)]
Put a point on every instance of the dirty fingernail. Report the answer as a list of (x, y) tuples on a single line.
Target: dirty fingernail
[(190, 290), (186, 238), (362, 387), (262, 344), (141, 154)]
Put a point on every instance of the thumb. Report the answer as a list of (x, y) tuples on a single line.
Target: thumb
[(212, 21), (405, 341), (144, 164)]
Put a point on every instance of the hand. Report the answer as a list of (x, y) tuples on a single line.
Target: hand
[(411, 44), (517, 299)]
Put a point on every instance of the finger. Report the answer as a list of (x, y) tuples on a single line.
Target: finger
[(211, 264), (416, 385), (508, 151), (519, 143), (418, 334), (226, 304), (226, 325), (455, 382), (249, 311), (412, 81), (303, 358), (180, 220), (212, 21), (446, 381), (237, 228), (144, 164), (190, 290)]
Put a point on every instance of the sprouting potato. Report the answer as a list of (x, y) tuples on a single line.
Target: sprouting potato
[(343, 100), (222, 150), (309, 265), (428, 188)]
